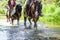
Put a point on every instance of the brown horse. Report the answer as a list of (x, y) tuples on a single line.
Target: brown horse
[(33, 12), (16, 15)]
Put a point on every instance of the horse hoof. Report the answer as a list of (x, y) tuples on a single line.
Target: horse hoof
[(26, 28), (30, 27), (35, 27)]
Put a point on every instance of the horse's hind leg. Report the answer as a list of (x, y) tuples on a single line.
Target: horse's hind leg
[(12, 21), (30, 22), (17, 21), (7, 19), (25, 22)]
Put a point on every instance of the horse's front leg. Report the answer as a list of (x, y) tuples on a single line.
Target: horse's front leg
[(35, 23), (25, 18), (30, 22)]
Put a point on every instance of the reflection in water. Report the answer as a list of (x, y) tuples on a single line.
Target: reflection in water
[(19, 33)]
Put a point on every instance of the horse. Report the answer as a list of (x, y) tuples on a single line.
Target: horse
[(16, 15), (32, 12)]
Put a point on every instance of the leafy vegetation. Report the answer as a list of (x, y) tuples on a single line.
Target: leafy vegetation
[(51, 12)]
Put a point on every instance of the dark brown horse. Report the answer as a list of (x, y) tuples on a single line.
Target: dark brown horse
[(16, 15), (33, 12)]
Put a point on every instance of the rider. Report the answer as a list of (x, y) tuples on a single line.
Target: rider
[(11, 5), (30, 2), (27, 2)]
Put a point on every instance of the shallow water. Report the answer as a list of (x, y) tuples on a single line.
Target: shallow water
[(20, 33)]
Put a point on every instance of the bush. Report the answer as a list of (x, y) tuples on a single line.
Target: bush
[(51, 13)]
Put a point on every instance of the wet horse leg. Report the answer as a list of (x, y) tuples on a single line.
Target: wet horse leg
[(35, 21), (12, 21), (35, 25), (25, 16), (30, 22), (7, 19), (25, 22), (18, 21)]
